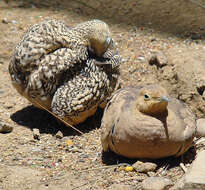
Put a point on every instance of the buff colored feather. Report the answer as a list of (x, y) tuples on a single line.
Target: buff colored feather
[(143, 122)]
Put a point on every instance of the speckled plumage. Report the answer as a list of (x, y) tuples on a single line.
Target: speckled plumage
[(81, 94), (53, 61)]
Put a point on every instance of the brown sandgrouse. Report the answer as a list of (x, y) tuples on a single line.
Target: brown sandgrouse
[(140, 122)]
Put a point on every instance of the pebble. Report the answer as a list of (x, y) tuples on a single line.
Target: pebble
[(36, 134), (156, 183), (151, 174), (4, 128), (59, 135), (129, 168), (203, 95), (13, 21), (144, 166), (141, 58), (202, 28), (75, 149), (200, 130), (69, 142), (153, 40), (158, 58), (196, 36), (8, 106), (4, 21), (36, 150)]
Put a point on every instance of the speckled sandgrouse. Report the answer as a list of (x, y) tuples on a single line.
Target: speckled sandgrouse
[(140, 122), (70, 71)]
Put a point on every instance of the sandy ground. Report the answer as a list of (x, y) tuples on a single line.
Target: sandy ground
[(76, 161)]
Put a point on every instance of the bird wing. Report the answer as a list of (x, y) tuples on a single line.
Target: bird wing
[(87, 87), (114, 111), (185, 116)]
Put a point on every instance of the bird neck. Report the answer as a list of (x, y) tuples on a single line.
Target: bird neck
[(153, 110)]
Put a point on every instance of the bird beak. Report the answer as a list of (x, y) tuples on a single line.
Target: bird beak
[(164, 99)]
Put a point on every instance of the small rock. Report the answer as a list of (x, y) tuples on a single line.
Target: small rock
[(153, 39), (202, 28), (36, 134), (68, 142), (36, 150), (129, 169), (158, 58), (74, 150), (156, 183), (194, 178), (33, 6), (124, 60), (203, 95), (151, 174), (59, 135), (200, 130), (144, 167), (13, 21), (8, 106), (141, 58), (5, 21), (195, 36), (21, 27), (4, 128), (132, 70)]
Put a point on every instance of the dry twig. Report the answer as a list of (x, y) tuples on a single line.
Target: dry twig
[(183, 167), (59, 118)]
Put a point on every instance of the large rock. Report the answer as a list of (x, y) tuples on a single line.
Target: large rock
[(156, 183), (200, 132), (195, 177)]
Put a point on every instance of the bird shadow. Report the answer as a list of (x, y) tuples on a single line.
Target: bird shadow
[(110, 158), (32, 117)]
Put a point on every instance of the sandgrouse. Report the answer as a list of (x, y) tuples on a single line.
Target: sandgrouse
[(143, 122), (69, 71)]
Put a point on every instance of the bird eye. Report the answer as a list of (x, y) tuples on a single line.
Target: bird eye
[(108, 40), (146, 97)]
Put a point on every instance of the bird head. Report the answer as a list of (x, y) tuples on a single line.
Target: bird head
[(100, 38), (98, 35), (152, 100)]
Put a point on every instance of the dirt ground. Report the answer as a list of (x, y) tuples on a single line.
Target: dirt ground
[(76, 161)]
